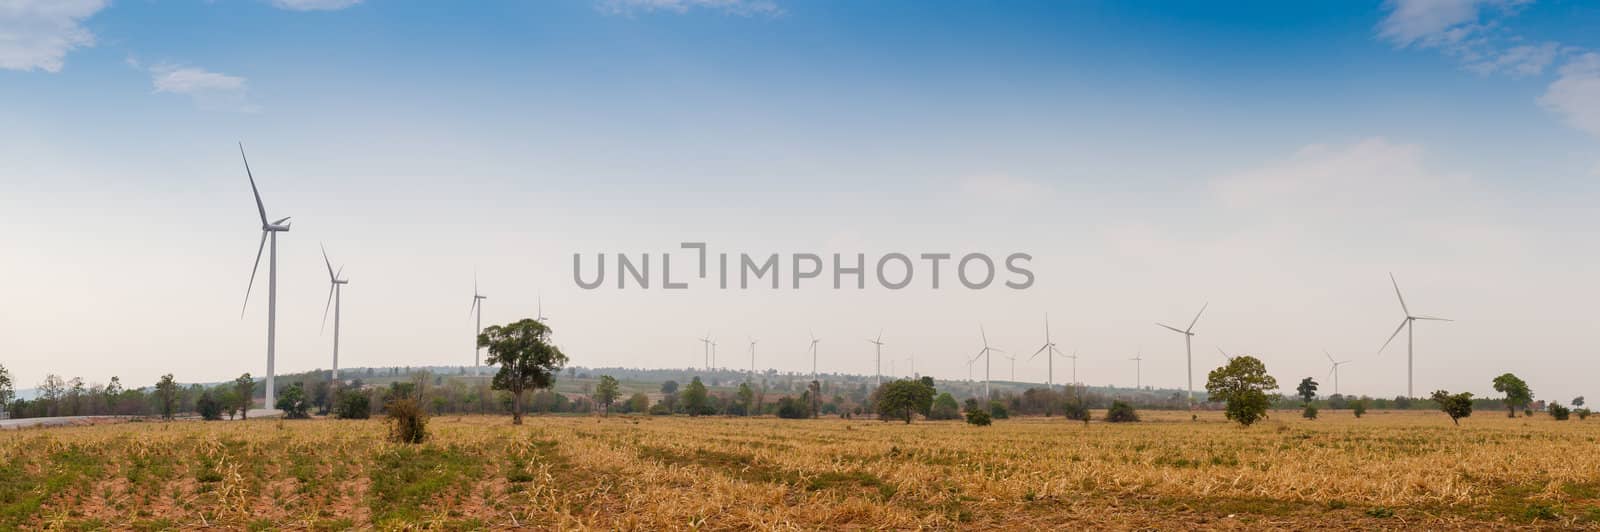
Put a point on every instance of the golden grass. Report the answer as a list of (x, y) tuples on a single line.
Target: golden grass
[(1389, 470)]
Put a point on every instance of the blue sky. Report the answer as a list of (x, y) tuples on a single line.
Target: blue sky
[(1275, 158)]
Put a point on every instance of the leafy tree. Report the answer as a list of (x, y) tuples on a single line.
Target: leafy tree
[(1518, 394), (247, 393), (526, 358), (1456, 406), (669, 388), (979, 418), (167, 394), (639, 403), (352, 404), (209, 407), (8, 390), (113, 393), (746, 397), (1577, 401), (1243, 383), (945, 407), (695, 399), (1360, 408), (1559, 412), (293, 402), (791, 408), (1121, 412), (902, 399), (1307, 390), (606, 393)]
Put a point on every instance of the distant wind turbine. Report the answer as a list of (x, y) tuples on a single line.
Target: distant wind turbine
[(985, 355), (539, 314), (1188, 347), (814, 342), (1013, 367), (1334, 372), (752, 355), (706, 341), (477, 311), (1410, 328), (1138, 361), (335, 298), (268, 229), (877, 365), (1049, 348)]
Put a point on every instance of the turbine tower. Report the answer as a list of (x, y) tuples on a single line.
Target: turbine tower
[(539, 314), (269, 230), (1049, 348), (1188, 347), (877, 364), (477, 312), (1013, 367), (984, 354), (1406, 324), (1334, 372), (335, 297)]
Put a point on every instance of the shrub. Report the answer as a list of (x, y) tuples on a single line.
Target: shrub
[(791, 408), (407, 422), (979, 418), (293, 403), (1583, 413), (660, 409), (1121, 412), (1559, 412), (1360, 408), (945, 407), (998, 410), (208, 406), (1309, 413), (1075, 411), (352, 404)]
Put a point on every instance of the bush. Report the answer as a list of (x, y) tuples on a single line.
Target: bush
[(1583, 413), (791, 408), (293, 403), (979, 418), (407, 422), (1075, 411), (660, 409), (998, 410), (1360, 408), (945, 407), (352, 404), (208, 406), (1121, 412), (1559, 412), (1309, 413)]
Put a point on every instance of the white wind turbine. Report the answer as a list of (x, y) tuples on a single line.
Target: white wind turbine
[(877, 364), (1049, 348), (814, 342), (268, 229), (1138, 362), (1188, 347), (752, 355), (1406, 324), (706, 343), (335, 298), (1334, 372), (477, 312), (539, 314), (1013, 367), (984, 354)]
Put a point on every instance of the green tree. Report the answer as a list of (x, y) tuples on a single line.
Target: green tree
[(247, 393), (1243, 383), (902, 399), (945, 407), (606, 393), (1559, 412), (1456, 406), (1577, 401), (1307, 390), (1121, 412), (167, 394), (695, 399), (113, 393), (1518, 394), (979, 418), (294, 403), (526, 358), (639, 403), (746, 397), (1360, 408), (209, 407), (8, 390), (352, 404)]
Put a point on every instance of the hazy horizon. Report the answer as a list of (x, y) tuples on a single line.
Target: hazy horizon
[(1277, 161)]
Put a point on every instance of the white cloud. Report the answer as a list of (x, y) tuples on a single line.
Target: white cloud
[(314, 5), (1370, 175), (734, 7), (1576, 93), (1517, 61), (209, 90), (37, 34), (1430, 23)]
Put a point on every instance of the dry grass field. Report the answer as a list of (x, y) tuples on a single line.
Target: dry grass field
[(1389, 470)]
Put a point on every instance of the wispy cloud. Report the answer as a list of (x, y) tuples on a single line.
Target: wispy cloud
[(1576, 93), (314, 5), (37, 34), (746, 8), (209, 90), (1370, 175)]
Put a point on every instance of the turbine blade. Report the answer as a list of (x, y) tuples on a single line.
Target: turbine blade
[(985, 336), (325, 260), (339, 274), (260, 208), (281, 220), (259, 248), (1330, 372), (325, 308), (1197, 316), (1173, 329), (1397, 294), (1396, 333), (1041, 350), (1431, 318), (1330, 356)]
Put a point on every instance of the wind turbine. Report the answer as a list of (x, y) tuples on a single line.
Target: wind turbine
[(1074, 358), (814, 342), (1335, 371), (335, 297), (706, 341), (1188, 348), (1050, 349), (1406, 324), (1013, 367), (268, 229), (477, 312), (1138, 362), (984, 354), (539, 314), (752, 355), (878, 362)]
